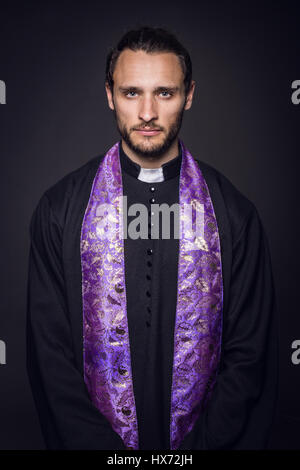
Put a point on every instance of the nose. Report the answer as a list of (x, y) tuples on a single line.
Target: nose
[(148, 109)]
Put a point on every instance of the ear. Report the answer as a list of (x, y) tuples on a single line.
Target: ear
[(109, 96), (189, 98)]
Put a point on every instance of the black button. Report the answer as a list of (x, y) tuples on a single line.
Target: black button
[(150, 251), (148, 277), (152, 189), (148, 294), (152, 200), (148, 323), (149, 264), (148, 309)]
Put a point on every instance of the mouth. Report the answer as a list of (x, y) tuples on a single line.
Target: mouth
[(148, 132)]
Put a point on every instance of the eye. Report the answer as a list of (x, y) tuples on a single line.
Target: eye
[(130, 94), (166, 94)]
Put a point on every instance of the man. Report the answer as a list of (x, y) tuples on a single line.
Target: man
[(158, 341)]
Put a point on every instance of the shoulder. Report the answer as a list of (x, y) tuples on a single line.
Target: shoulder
[(230, 204), (69, 183), (71, 186)]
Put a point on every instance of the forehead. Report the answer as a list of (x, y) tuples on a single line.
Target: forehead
[(140, 68)]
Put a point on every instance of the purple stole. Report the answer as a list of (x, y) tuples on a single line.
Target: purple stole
[(198, 324)]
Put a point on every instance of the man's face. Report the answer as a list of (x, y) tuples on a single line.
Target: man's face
[(148, 100)]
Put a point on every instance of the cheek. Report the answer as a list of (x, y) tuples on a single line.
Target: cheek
[(170, 110), (126, 108), (169, 115), (127, 115)]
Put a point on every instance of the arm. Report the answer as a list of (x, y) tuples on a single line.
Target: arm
[(240, 412), (68, 418)]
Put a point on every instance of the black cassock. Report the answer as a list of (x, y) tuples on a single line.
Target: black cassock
[(241, 411)]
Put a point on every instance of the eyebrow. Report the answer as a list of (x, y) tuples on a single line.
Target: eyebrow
[(157, 89)]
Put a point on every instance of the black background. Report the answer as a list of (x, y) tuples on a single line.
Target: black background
[(243, 122)]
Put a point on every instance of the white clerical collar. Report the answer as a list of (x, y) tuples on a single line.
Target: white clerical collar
[(151, 175), (168, 170)]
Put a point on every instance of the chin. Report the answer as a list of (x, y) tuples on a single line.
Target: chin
[(148, 143), (144, 148)]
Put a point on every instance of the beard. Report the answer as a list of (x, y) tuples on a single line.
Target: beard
[(155, 151)]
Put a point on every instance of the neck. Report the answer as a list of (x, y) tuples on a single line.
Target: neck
[(152, 162)]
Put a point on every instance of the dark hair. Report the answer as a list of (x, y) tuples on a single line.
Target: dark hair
[(150, 39)]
